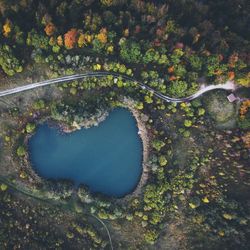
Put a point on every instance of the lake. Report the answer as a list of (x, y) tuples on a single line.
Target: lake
[(107, 158)]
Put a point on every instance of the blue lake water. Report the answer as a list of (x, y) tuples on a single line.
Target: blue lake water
[(107, 158)]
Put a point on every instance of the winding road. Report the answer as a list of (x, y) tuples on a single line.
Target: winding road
[(229, 85)]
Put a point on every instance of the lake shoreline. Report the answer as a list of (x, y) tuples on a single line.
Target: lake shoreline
[(144, 135), (35, 179), (129, 104)]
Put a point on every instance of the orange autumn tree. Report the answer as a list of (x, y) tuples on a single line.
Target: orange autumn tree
[(50, 29), (70, 38), (231, 75)]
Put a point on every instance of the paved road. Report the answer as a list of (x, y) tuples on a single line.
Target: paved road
[(229, 85)]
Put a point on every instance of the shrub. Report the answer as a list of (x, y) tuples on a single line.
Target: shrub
[(39, 104)]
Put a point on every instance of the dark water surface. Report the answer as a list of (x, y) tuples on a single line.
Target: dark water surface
[(107, 158)]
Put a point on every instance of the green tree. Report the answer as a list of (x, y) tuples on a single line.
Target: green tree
[(157, 144), (37, 40), (150, 236), (21, 151), (130, 52), (187, 123), (30, 128), (162, 160), (195, 62), (178, 88)]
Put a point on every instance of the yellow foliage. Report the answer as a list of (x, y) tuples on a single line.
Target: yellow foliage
[(60, 40), (52, 41), (110, 49), (23, 175), (244, 81), (107, 2), (227, 216), (221, 233), (193, 206), (82, 40), (126, 32), (102, 36), (89, 38), (205, 200), (97, 67), (7, 28), (244, 108), (3, 187), (7, 138)]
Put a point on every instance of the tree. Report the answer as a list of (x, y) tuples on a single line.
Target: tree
[(178, 88), (195, 62), (3, 187), (50, 29), (70, 38), (38, 41), (148, 99), (150, 56), (7, 27), (139, 105), (162, 160), (39, 104), (8, 62), (130, 51), (150, 236), (187, 123), (214, 66), (102, 36), (158, 144), (21, 151), (30, 127), (73, 90), (244, 80), (97, 45), (194, 202)]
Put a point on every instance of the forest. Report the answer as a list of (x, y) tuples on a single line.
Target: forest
[(196, 191)]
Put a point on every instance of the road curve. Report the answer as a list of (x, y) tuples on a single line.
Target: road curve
[(229, 85)]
